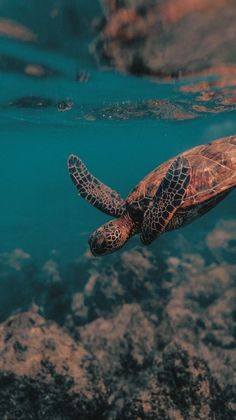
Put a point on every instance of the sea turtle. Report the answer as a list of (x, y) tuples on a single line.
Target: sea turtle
[(172, 195)]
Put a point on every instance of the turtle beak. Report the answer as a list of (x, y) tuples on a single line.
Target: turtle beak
[(97, 244)]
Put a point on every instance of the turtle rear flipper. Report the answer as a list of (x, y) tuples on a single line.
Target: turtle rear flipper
[(169, 197), (93, 190)]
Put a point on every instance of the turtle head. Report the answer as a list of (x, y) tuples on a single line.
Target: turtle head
[(111, 236)]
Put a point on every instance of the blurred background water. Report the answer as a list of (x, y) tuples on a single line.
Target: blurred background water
[(56, 100)]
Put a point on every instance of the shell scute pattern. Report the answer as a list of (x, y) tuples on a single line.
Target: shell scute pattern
[(213, 169)]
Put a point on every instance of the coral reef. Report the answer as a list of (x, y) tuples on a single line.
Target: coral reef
[(140, 335), (45, 374)]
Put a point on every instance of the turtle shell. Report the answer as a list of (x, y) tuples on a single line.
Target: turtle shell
[(213, 172)]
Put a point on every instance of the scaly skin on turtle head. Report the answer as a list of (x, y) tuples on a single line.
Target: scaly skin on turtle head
[(111, 236)]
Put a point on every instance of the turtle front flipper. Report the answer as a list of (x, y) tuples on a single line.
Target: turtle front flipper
[(94, 191), (168, 198)]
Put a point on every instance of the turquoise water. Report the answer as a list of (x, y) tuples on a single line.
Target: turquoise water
[(40, 210)]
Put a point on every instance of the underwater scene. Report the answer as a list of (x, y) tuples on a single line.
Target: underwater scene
[(117, 288)]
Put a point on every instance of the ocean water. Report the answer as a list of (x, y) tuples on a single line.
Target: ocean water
[(41, 212), (135, 334)]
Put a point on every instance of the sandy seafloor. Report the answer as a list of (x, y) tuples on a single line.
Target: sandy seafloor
[(148, 332)]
